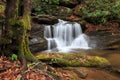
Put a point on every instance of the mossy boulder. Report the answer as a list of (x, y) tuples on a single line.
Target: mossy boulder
[(72, 59), (58, 11), (41, 7), (62, 12)]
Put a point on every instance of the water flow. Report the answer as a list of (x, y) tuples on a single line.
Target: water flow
[(66, 36)]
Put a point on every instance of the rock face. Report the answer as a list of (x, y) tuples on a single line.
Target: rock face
[(37, 41), (38, 44), (45, 19), (61, 12), (105, 40)]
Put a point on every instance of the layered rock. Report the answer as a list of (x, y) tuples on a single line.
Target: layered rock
[(37, 41), (45, 19)]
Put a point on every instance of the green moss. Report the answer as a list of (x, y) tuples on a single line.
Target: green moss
[(99, 11), (25, 22), (73, 60), (98, 61), (67, 2), (2, 8)]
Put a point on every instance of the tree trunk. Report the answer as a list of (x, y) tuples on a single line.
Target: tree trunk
[(15, 36)]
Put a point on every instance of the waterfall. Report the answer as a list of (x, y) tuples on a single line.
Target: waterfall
[(65, 36)]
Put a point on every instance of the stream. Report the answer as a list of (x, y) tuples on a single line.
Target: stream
[(67, 37)]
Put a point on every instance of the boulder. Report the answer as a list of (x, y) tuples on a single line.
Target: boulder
[(61, 12), (37, 30), (45, 19), (105, 40), (38, 44), (37, 41), (82, 74)]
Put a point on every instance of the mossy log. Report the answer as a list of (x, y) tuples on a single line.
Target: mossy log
[(73, 60)]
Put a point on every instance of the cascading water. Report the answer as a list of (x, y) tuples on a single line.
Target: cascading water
[(65, 36)]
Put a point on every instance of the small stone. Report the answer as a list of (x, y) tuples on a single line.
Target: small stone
[(82, 74)]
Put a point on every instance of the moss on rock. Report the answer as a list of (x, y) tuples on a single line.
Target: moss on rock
[(2, 8), (65, 60), (98, 11)]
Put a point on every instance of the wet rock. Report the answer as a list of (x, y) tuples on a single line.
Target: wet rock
[(37, 41), (114, 44), (38, 44), (37, 30), (45, 19), (82, 74), (105, 40)]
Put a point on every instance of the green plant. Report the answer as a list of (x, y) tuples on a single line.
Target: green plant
[(44, 6), (100, 11), (51, 1), (14, 57)]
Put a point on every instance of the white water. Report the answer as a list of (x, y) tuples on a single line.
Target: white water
[(65, 36)]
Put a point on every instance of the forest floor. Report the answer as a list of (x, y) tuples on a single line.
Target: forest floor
[(11, 70)]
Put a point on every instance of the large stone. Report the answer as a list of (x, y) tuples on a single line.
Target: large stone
[(45, 19), (38, 44), (55, 10), (105, 40), (37, 41), (61, 12), (37, 30), (82, 74)]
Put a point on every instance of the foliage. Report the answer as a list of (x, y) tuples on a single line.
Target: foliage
[(100, 11), (2, 8), (14, 57), (40, 6), (51, 1)]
